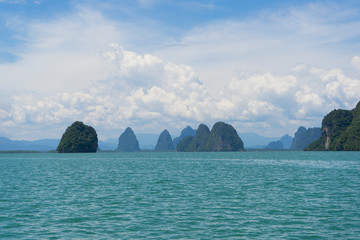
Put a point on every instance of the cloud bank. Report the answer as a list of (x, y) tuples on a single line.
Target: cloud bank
[(149, 94), (268, 74)]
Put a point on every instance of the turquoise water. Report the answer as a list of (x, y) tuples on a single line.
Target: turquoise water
[(246, 195)]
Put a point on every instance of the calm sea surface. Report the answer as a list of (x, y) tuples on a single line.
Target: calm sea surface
[(246, 195)]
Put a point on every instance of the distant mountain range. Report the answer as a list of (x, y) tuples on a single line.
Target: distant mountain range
[(340, 131), (255, 141), (42, 145), (147, 141)]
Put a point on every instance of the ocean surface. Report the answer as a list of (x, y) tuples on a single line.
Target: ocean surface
[(242, 195)]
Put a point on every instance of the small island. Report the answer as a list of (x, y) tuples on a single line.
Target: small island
[(222, 138), (128, 141), (78, 138), (164, 143), (340, 131)]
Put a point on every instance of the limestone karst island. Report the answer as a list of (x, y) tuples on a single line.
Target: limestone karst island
[(78, 138), (340, 131)]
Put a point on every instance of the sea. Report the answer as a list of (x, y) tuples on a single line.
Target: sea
[(152, 195)]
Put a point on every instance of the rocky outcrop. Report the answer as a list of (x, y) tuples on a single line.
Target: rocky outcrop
[(340, 131), (223, 137), (276, 145), (196, 143), (128, 141), (188, 131), (303, 137), (164, 143), (78, 138), (286, 141), (199, 141)]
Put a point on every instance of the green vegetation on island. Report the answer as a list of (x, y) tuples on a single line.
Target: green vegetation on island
[(128, 142), (303, 137), (222, 137), (340, 131), (78, 138), (196, 143), (188, 131)]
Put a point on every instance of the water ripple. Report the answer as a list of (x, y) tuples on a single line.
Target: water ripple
[(252, 195)]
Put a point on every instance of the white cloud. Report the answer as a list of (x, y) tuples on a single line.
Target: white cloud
[(3, 115), (299, 68), (309, 102), (355, 61), (174, 94), (140, 88), (261, 95), (230, 70), (61, 55), (273, 41)]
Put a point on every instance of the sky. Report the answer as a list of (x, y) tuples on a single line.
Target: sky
[(266, 67)]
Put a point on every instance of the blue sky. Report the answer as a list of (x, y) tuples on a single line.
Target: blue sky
[(264, 66)]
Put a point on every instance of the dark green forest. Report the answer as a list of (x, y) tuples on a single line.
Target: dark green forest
[(78, 138), (340, 131)]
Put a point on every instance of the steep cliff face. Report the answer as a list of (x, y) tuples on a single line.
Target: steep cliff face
[(352, 132), (286, 141), (128, 141), (78, 138), (275, 145), (340, 131), (164, 143), (303, 137), (196, 143), (199, 141), (188, 131), (185, 145), (223, 137)]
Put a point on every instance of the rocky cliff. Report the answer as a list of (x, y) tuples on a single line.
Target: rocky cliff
[(188, 131), (286, 141), (222, 137), (164, 142), (303, 137), (340, 131), (196, 143), (128, 141), (275, 145)]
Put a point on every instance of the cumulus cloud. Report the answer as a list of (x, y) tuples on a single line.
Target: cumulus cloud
[(246, 72), (308, 101), (144, 91), (140, 88)]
